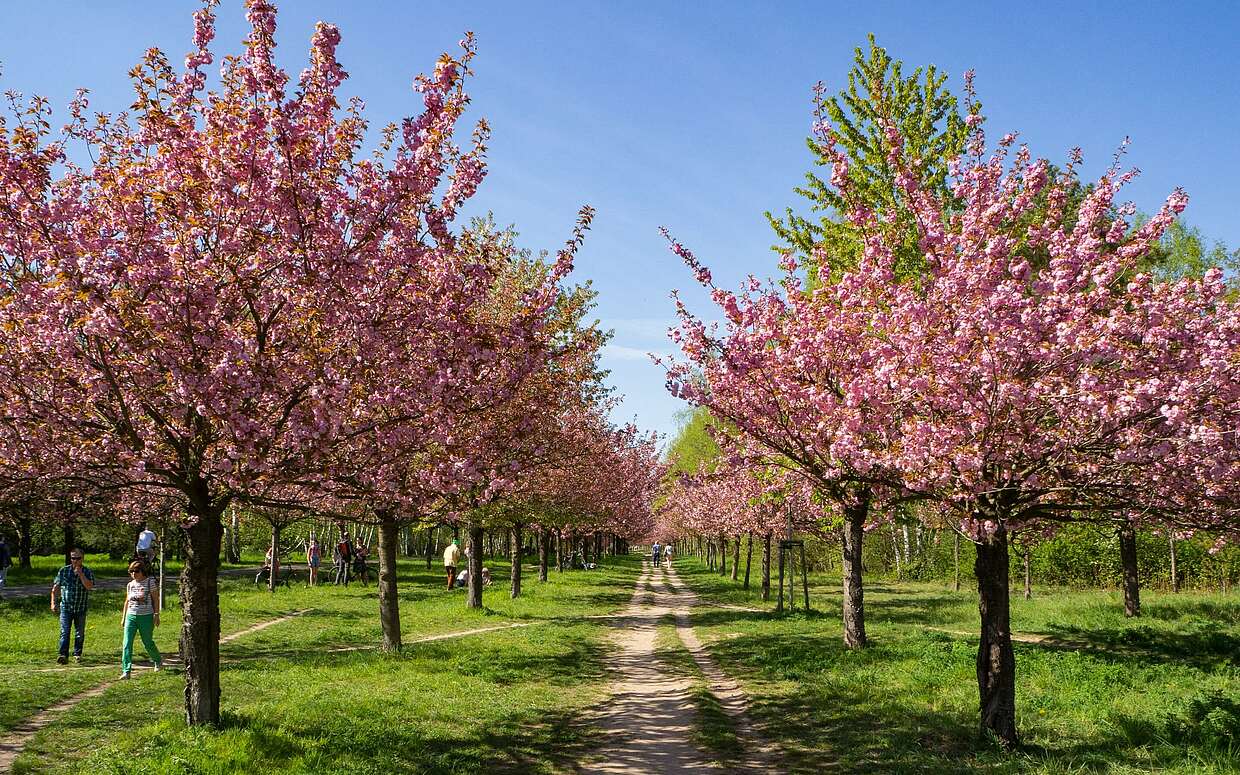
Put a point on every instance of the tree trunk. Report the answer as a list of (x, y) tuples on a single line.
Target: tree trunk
[(736, 556), (544, 544), (23, 542), (431, 545), (68, 541), (766, 567), (854, 605), (234, 537), (474, 599), (274, 571), (895, 547), (389, 597), (1128, 559), (200, 614), (516, 559), (996, 662), (956, 558), (748, 558), (559, 551), (1175, 576), (1028, 574)]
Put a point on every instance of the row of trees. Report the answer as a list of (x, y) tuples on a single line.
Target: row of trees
[(233, 305), (978, 341)]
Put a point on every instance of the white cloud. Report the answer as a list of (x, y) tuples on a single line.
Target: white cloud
[(620, 352)]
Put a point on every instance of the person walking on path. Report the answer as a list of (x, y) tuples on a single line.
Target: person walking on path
[(71, 591), (345, 550), (314, 556), (667, 555), (451, 556), (146, 545), (656, 551), (6, 560), (140, 614)]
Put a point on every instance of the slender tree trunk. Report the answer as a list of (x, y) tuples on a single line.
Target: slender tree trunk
[(389, 597), (854, 604), (1175, 576), (996, 662), (748, 558), (895, 546), (1128, 559), (476, 539), (516, 559), (23, 542), (68, 540), (736, 556), (1028, 574), (200, 613), (559, 551), (274, 571), (544, 541), (766, 567), (956, 558), (431, 545), (232, 546)]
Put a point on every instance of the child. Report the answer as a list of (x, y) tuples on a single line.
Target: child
[(139, 614)]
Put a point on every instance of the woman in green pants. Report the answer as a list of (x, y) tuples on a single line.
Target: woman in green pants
[(140, 614)]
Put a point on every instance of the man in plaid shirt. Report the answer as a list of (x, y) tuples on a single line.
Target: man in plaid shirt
[(72, 589)]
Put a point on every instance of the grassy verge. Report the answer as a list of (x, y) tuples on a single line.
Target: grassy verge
[(505, 700), (1100, 694)]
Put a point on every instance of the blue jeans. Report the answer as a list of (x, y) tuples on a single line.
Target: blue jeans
[(78, 621)]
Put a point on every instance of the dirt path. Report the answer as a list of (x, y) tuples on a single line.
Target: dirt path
[(12, 742), (650, 716), (109, 583)]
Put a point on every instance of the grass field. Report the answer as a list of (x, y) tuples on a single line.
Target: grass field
[(1102, 694), (511, 700)]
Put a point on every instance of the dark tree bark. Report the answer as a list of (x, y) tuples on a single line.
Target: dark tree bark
[(517, 546), (996, 662), (748, 558), (200, 612), (431, 545), (23, 542), (559, 551), (854, 603), (736, 557), (723, 556), (766, 567), (474, 599), (544, 544), (68, 541), (1128, 559), (389, 596)]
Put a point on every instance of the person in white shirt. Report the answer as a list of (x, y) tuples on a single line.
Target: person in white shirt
[(451, 556), (146, 542)]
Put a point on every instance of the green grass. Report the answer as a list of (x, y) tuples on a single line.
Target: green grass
[(509, 700), (1103, 694)]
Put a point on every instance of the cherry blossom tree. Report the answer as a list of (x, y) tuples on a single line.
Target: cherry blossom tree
[(197, 310)]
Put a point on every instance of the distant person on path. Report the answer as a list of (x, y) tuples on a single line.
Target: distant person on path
[(451, 556), (146, 544), (656, 551), (314, 556), (345, 548), (667, 554), (71, 592), (6, 561), (360, 569), (140, 614)]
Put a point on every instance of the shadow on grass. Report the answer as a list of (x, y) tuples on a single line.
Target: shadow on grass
[(1202, 644)]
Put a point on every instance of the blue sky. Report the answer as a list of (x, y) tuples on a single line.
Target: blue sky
[(693, 115)]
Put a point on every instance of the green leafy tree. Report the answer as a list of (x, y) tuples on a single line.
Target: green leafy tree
[(933, 131), (693, 445)]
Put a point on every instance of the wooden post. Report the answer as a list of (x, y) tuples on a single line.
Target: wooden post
[(779, 604)]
